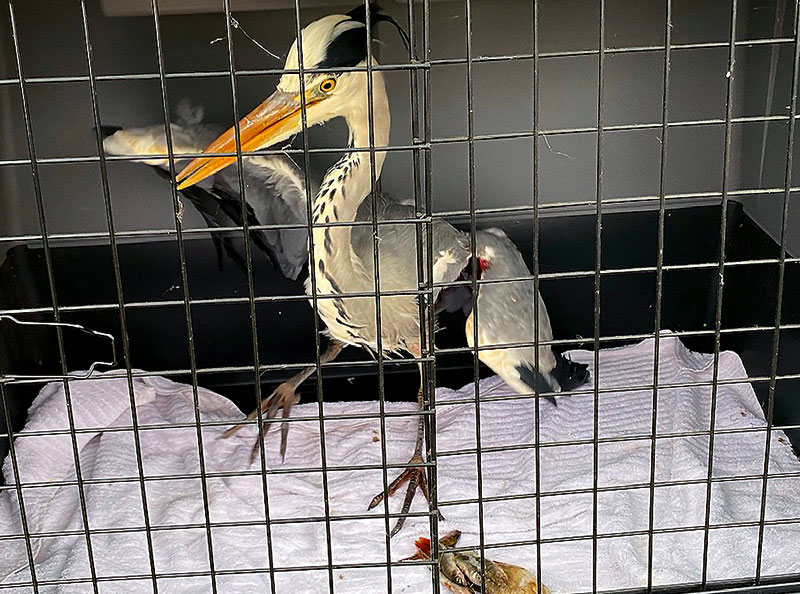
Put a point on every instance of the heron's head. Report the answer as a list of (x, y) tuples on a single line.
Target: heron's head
[(490, 247), (329, 45)]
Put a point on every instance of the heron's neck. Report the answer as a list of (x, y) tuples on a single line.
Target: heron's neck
[(349, 181)]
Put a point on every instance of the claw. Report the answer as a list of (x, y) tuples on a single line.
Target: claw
[(254, 451), (265, 427), (283, 397), (287, 408), (416, 478), (233, 430)]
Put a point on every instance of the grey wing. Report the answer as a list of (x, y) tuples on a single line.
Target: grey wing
[(516, 298), (152, 140), (283, 174), (275, 190), (506, 316), (398, 246), (507, 308), (451, 253)]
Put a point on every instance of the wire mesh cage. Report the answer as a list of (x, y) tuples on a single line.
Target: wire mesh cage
[(564, 233)]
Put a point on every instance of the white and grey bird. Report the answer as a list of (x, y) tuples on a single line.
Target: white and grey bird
[(275, 192), (506, 317), (343, 255)]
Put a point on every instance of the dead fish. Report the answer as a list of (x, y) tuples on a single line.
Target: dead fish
[(461, 570)]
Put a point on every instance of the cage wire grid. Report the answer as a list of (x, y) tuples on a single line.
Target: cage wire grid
[(418, 67)]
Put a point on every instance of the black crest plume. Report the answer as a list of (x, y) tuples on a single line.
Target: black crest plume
[(350, 47)]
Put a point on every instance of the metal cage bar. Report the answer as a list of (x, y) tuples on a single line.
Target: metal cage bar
[(187, 307), (475, 313), (376, 283), (536, 281), (418, 68), (123, 320), (773, 373), (250, 289), (52, 293), (563, 342), (432, 452), (411, 65), (424, 237), (598, 228), (312, 275), (659, 288), (442, 141), (723, 234)]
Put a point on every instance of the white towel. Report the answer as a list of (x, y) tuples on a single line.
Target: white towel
[(566, 566)]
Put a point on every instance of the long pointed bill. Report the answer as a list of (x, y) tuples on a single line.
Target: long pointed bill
[(276, 118)]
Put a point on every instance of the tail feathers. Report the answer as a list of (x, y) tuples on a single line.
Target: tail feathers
[(232, 207), (107, 131), (569, 374), (537, 381), (209, 208), (220, 209)]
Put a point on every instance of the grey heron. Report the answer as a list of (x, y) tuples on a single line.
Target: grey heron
[(343, 255)]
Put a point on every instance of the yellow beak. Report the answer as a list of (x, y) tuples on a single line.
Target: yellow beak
[(277, 117)]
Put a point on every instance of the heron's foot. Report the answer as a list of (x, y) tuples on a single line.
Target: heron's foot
[(282, 398), (416, 478)]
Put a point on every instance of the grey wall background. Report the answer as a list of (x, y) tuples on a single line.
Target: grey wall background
[(52, 45)]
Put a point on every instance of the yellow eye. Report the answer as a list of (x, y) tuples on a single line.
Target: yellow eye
[(327, 85)]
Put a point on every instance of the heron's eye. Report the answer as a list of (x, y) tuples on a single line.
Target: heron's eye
[(327, 85)]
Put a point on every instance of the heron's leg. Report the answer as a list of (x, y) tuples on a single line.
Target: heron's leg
[(415, 476), (284, 397)]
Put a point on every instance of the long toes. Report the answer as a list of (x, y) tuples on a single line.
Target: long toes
[(423, 485), (283, 398), (272, 402), (375, 501), (288, 403), (390, 489), (416, 479), (413, 483), (265, 426), (254, 450), (232, 431), (398, 526), (284, 439)]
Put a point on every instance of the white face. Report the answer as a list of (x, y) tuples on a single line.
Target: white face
[(333, 95), (315, 38), (328, 95), (328, 41)]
